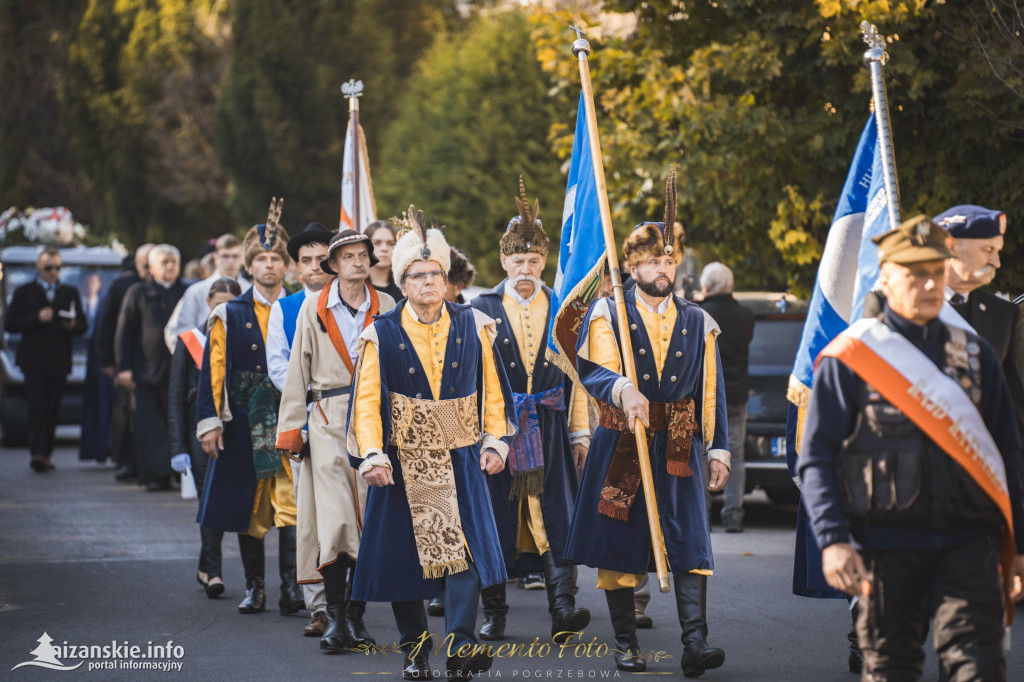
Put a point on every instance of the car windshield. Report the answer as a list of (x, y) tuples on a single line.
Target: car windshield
[(775, 342)]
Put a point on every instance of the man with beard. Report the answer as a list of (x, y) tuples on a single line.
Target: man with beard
[(249, 485), (977, 240), (144, 363), (430, 409), (533, 497), (680, 398), (331, 496), (306, 249)]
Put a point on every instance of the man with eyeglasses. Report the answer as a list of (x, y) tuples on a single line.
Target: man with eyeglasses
[(430, 418), (47, 314), (314, 399)]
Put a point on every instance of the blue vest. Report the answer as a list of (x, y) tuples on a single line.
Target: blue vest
[(545, 374), (290, 306)]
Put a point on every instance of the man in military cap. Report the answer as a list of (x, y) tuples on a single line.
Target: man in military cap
[(533, 498), (430, 419), (977, 240), (680, 398), (912, 482)]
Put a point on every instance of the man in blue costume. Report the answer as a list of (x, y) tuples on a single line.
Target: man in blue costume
[(681, 400), (431, 415), (248, 486), (534, 496)]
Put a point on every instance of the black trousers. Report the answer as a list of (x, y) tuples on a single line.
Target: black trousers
[(152, 439), (958, 588), (43, 394), (121, 425)]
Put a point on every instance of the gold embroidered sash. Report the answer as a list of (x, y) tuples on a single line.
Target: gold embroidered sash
[(425, 431)]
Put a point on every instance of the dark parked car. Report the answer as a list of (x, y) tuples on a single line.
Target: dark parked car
[(91, 270), (779, 325)]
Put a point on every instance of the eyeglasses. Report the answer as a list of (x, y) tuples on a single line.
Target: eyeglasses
[(51, 268), (422, 276)]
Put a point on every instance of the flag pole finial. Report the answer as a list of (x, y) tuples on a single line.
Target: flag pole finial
[(580, 45), (875, 42), (352, 89)]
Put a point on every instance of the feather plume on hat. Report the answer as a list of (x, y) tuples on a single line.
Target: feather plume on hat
[(268, 236), (657, 239), (417, 243), (525, 232)]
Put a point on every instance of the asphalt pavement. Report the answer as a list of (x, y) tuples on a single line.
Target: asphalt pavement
[(92, 562)]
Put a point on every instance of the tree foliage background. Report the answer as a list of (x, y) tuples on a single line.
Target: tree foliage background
[(179, 119)]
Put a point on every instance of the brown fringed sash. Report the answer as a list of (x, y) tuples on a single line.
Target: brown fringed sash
[(425, 432), (623, 480)]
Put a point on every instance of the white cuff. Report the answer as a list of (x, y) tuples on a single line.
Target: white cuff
[(581, 438), (799, 484), (491, 443), (722, 456), (209, 424), (620, 385), (373, 458)]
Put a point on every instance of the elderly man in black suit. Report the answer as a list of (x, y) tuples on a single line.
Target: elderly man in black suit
[(123, 448), (143, 361), (47, 314)]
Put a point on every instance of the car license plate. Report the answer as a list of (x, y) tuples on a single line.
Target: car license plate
[(779, 447)]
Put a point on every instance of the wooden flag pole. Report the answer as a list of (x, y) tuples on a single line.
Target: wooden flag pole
[(352, 90), (580, 49)]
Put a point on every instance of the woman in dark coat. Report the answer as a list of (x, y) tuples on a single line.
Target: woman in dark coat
[(183, 416)]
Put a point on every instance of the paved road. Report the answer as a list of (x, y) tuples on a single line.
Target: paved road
[(90, 562)]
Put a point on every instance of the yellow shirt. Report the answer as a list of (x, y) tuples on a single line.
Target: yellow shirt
[(604, 350), (218, 350), (429, 341), (527, 326)]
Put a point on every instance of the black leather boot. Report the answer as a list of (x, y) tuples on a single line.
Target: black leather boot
[(355, 628), (495, 610), (565, 617), (335, 639), (691, 602), (620, 607), (254, 563), (856, 658), (291, 600), (417, 668)]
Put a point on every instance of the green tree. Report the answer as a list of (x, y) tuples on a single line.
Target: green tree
[(759, 104), (137, 95), (474, 115), (280, 122)]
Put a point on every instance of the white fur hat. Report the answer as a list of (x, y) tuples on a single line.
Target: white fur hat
[(417, 243)]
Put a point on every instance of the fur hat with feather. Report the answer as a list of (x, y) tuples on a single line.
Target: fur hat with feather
[(269, 236), (418, 243), (652, 239), (525, 233)]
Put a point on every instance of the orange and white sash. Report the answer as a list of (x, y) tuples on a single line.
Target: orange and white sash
[(195, 342), (936, 404)]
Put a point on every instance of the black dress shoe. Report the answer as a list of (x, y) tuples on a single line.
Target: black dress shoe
[(38, 463), (126, 473), (159, 485), (417, 668), (435, 607), (465, 667)]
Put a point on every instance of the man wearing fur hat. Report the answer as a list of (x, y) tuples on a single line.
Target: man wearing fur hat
[(534, 496), (331, 497), (430, 418), (681, 400), (248, 484)]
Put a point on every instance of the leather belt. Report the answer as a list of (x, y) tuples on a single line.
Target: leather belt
[(316, 396)]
